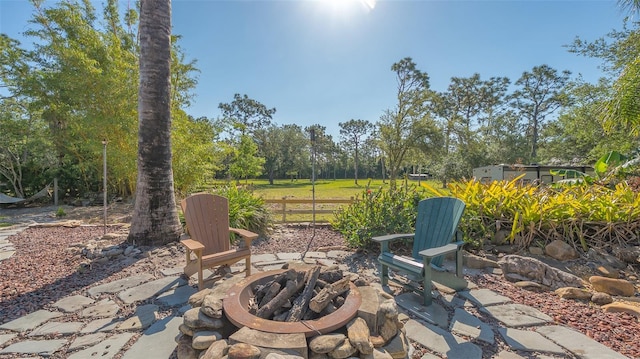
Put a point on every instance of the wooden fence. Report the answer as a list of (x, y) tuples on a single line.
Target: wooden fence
[(289, 210)]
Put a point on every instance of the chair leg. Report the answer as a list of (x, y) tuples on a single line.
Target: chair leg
[(384, 274), (247, 264), (426, 285), (200, 275), (459, 256)]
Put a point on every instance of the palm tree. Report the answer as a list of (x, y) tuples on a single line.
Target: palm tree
[(155, 217), (624, 108)]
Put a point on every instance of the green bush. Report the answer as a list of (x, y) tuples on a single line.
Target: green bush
[(377, 212), (246, 211)]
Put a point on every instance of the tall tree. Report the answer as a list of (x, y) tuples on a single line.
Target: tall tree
[(155, 217), (403, 128), (540, 93), (246, 162), (245, 114), (353, 134)]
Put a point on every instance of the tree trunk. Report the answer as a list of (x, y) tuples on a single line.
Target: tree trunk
[(155, 216)]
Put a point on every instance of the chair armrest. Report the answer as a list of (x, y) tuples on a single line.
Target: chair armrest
[(438, 251), (192, 245), (391, 237), (244, 233)]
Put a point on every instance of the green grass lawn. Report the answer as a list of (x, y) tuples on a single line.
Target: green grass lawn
[(324, 189), (329, 189)]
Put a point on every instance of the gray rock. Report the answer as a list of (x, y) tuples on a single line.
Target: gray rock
[(600, 298), (323, 344), (434, 314), (212, 306), (526, 268), (217, 350), (194, 318), (203, 339), (101, 325), (560, 250), (484, 297)]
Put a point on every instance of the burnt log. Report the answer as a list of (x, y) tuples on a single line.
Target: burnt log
[(270, 293), (291, 288), (327, 293), (301, 304)]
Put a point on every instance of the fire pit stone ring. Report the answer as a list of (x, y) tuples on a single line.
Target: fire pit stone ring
[(236, 304)]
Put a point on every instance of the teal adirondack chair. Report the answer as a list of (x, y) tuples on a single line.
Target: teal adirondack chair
[(436, 226)]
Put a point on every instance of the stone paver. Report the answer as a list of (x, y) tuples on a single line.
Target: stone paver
[(176, 297), (6, 337), (517, 315), (101, 325), (87, 340), (149, 289), (104, 308), (40, 347), (30, 321), (158, 341), (529, 341), (143, 318), (289, 256), (119, 285), (266, 257), (73, 303), (434, 314), (465, 324), (484, 297), (105, 349), (578, 343), (441, 341), (64, 328)]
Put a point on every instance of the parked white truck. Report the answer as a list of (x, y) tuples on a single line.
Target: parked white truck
[(540, 173)]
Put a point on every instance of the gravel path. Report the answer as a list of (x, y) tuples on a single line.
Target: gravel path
[(47, 267)]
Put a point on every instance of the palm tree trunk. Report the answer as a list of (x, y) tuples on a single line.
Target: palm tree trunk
[(155, 217)]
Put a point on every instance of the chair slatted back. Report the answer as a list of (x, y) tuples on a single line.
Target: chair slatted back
[(207, 218), (436, 224)]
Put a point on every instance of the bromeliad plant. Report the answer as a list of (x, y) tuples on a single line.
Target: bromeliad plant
[(582, 215)]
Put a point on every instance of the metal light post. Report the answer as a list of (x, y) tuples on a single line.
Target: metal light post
[(104, 182)]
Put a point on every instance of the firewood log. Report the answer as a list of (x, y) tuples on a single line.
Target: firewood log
[(327, 293), (301, 304)]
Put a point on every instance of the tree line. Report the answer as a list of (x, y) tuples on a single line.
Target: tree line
[(77, 86)]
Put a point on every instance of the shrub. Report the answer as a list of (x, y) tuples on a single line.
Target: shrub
[(377, 212), (246, 210), (60, 212)]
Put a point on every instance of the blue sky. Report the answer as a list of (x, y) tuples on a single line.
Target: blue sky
[(328, 61)]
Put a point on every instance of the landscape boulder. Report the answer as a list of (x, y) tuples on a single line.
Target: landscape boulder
[(560, 250), (518, 268), (612, 286)]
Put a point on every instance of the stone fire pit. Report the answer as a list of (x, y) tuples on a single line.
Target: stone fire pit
[(236, 304), (220, 325)]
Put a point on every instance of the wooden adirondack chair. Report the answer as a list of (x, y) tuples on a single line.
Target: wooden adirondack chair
[(436, 226), (209, 245)]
